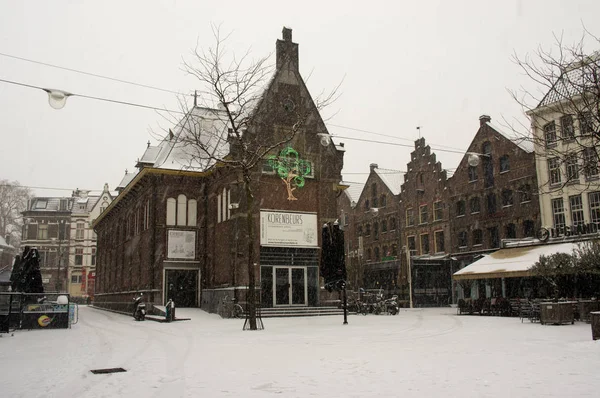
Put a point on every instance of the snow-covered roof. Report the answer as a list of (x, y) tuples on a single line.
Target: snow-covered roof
[(126, 180), (515, 262), (524, 143), (393, 179), (579, 78), (4, 245), (49, 204), (353, 191)]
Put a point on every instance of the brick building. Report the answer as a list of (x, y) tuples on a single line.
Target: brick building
[(178, 230), (493, 195)]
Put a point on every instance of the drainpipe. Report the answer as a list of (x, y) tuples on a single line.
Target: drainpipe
[(153, 241)]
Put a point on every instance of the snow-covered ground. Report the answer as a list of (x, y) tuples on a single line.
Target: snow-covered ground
[(418, 353)]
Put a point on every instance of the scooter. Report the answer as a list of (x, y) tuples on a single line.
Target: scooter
[(139, 308), (391, 305)]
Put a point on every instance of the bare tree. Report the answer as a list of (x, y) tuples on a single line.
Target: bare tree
[(236, 124), (13, 200), (564, 109)]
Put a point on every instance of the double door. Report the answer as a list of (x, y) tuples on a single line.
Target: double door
[(289, 286)]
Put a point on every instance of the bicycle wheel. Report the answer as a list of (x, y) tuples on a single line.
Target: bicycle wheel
[(238, 311)]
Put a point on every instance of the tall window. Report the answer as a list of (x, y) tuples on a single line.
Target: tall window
[(558, 212), (554, 170), (572, 167), (411, 242), (182, 212), (473, 173), (590, 162), (576, 205), (504, 163), (423, 214), (594, 203), (566, 127), (393, 224), (79, 232), (368, 230), (477, 237), (525, 193), (425, 244), (78, 256), (550, 133), (383, 200), (369, 255), (491, 203), (511, 231), (439, 241), (410, 217), (384, 226), (586, 123), (507, 197), (93, 258), (460, 208), (376, 231), (494, 237), (437, 210), (374, 195), (462, 239), (377, 255), (475, 205), (42, 231), (528, 228)]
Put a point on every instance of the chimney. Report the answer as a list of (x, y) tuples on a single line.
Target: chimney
[(373, 166), (483, 119), (286, 51)]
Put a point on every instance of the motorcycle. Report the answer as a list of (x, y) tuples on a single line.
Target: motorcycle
[(139, 308), (391, 305)]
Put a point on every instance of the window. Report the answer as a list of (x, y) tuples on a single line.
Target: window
[(368, 230), (572, 167), (590, 162), (411, 242), (511, 231), (425, 244), (439, 241), (566, 127), (182, 212), (367, 205), (576, 205), (41, 204), (525, 193), (488, 172), (369, 255), (460, 208), (462, 239), (504, 164), (375, 230), (377, 255), (550, 133), (558, 212), (594, 203), (494, 237), (82, 206), (93, 258), (359, 230), (586, 124), (437, 210), (491, 203), (42, 231), (393, 224), (554, 170), (472, 173), (528, 228), (383, 226), (477, 237), (410, 217), (80, 231), (475, 205), (395, 250), (507, 197), (486, 148), (171, 206), (383, 200), (423, 214), (63, 205), (78, 256), (147, 215), (76, 279)]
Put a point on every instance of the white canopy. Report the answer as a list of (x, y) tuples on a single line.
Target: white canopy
[(511, 263)]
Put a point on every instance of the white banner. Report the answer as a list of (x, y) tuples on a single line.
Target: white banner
[(181, 244), (285, 229)]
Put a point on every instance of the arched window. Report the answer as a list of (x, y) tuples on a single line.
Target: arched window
[(192, 210), (181, 210)]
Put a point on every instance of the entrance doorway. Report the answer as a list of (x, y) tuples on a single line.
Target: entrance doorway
[(289, 286), (182, 287)]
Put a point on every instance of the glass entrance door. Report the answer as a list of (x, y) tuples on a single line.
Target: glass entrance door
[(289, 286)]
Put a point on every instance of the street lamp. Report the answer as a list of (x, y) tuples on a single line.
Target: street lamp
[(57, 98), (474, 158)]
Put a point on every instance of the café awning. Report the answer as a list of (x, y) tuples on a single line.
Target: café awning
[(512, 262)]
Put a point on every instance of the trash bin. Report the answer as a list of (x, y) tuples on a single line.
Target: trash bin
[(595, 321)]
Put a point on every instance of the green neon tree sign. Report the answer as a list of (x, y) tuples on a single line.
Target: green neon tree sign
[(291, 169)]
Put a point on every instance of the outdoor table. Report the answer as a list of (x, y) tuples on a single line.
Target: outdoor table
[(557, 312)]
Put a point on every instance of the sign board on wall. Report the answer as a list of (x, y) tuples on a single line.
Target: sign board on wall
[(287, 229), (181, 244)]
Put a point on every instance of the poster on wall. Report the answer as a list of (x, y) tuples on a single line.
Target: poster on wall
[(181, 244), (286, 229)]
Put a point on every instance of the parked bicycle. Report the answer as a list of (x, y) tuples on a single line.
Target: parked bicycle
[(231, 309)]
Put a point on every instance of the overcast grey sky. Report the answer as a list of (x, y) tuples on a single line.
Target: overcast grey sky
[(435, 64)]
